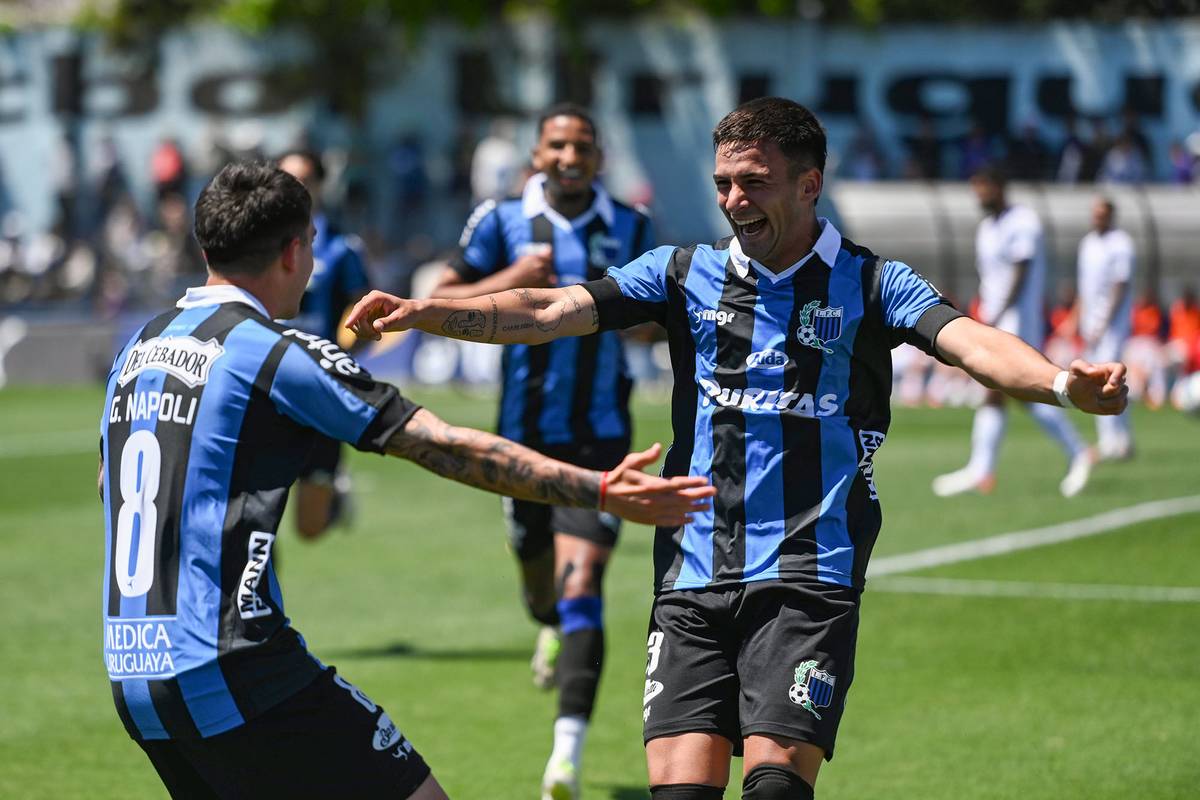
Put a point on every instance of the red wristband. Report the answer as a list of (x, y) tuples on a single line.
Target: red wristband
[(603, 488)]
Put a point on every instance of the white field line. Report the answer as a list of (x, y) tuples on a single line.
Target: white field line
[(1005, 543), (56, 443), (957, 587)]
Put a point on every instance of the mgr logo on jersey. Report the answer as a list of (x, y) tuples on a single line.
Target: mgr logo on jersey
[(819, 326), (813, 688)]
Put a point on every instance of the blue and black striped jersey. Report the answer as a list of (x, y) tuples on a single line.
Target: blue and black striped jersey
[(781, 397), (209, 412), (571, 390), (339, 277)]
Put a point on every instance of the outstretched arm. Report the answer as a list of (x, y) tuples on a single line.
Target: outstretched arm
[(518, 316), (498, 465), (1001, 361)]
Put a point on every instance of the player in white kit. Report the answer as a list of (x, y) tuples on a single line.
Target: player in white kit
[(1103, 313), (1011, 257)]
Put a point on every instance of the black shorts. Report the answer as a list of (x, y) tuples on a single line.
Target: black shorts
[(531, 526), (321, 465), (767, 657), (328, 740)]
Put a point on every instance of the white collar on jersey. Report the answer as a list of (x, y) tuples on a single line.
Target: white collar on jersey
[(533, 204), (826, 248), (220, 293)]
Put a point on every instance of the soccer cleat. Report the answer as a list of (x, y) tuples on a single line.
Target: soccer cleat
[(545, 657), (1077, 474), (962, 481), (560, 781)]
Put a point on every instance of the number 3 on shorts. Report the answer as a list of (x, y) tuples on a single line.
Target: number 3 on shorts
[(141, 459)]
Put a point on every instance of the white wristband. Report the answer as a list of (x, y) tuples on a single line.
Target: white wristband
[(1060, 390)]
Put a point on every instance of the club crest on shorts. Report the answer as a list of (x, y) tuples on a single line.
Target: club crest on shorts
[(819, 326), (813, 688)]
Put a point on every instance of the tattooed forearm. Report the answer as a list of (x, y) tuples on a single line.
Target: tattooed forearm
[(466, 324), (492, 463), (495, 319), (550, 322)]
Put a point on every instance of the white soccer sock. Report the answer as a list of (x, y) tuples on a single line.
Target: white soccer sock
[(569, 734), (987, 432), (1057, 425)]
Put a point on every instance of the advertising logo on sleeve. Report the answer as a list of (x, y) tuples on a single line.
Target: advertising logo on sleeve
[(184, 357), (332, 356)]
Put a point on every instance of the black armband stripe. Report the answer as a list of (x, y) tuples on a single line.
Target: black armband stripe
[(924, 334), (616, 311)]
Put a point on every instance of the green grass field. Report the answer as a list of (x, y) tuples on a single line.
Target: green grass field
[(955, 696)]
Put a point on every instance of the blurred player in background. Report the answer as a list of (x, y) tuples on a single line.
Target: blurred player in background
[(781, 339), (1103, 312), (1011, 257), (339, 279), (209, 411), (568, 399)]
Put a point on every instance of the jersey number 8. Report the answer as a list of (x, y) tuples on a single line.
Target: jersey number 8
[(141, 459)]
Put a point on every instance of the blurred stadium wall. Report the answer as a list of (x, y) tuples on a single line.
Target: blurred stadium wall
[(657, 87)]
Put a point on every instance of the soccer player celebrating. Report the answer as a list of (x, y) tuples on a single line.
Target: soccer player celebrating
[(210, 410), (1011, 257), (1103, 312), (339, 278), (780, 340), (568, 399)]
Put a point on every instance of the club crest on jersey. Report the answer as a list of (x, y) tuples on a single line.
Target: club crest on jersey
[(819, 326), (184, 357), (813, 688)]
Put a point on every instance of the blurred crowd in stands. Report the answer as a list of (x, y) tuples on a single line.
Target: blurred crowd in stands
[(1093, 150), (112, 251)]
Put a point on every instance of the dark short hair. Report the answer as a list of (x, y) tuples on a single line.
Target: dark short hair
[(567, 110), (991, 173), (248, 214), (311, 156), (791, 126)]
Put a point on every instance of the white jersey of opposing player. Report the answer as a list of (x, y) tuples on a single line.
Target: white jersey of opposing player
[(1105, 260), (1001, 242)]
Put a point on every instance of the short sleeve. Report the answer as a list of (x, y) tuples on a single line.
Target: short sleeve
[(914, 311), (634, 293), (481, 246), (1023, 239), (318, 385)]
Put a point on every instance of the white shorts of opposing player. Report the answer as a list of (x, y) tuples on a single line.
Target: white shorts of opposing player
[(1114, 434)]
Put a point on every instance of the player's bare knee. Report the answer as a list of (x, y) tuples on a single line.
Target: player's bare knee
[(430, 789), (583, 576)]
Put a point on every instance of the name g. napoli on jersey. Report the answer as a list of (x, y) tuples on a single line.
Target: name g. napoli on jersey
[(208, 414)]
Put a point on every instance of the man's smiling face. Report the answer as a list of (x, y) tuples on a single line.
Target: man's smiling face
[(760, 191)]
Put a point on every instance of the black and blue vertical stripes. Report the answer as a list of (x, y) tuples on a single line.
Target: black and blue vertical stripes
[(209, 410), (571, 390), (782, 391)]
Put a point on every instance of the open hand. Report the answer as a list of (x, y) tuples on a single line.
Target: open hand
[(378, 312), (651, 500), (1098, 388)]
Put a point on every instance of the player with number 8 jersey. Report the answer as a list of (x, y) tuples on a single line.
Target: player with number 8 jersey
[(209, 412)]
